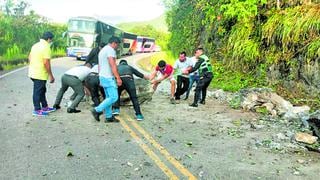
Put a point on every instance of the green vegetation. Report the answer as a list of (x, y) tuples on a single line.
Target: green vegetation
[(155, 28), (229, 80), (235, 102), (262, 110), (149, 63), (19, 31), (158, 23), (246, 39), (168, 57)]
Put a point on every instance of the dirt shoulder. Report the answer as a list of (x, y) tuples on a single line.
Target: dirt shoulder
[(218, 142)]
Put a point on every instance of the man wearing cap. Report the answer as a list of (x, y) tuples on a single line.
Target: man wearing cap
[(166, 72), (126, 73), (73, 78), (109, 79), (40, 72)]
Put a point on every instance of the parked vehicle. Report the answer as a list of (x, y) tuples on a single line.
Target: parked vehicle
[(145, 44), (85, 33)]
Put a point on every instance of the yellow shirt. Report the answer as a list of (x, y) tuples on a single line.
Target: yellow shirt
[(39, 52)]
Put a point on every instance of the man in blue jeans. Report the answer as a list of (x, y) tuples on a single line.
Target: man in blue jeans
[(109, 79)]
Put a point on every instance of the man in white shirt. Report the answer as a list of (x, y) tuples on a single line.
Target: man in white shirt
[(73, 78), (109, 80), (179, 66), (193, 77)]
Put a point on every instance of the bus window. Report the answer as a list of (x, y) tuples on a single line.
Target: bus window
[(144, 41), (74, 42), (81, 26)]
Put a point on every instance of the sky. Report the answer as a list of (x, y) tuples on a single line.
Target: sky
[(112, 11)]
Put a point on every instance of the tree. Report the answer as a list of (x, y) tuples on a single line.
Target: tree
[(15, 8)]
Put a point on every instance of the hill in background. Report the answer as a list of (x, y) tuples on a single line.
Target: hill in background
[(158, 23)]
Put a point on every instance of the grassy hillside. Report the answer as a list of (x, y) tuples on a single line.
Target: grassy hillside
[(158, 23)]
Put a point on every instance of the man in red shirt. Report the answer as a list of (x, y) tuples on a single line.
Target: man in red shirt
[(165, 71)]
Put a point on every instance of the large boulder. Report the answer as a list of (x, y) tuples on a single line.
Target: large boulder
[(254, 98), (144, 92)]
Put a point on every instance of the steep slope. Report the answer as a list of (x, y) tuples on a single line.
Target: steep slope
[(158, 23)]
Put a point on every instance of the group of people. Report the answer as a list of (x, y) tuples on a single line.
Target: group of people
[(102, 76), (183, 74), (99, 75)]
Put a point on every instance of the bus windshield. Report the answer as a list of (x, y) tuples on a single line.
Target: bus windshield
[(81, 26)]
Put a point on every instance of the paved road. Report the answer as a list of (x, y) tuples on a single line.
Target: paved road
[(174, 141), (35, 148)]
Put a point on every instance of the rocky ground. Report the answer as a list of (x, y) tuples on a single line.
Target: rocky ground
[(213, 141)]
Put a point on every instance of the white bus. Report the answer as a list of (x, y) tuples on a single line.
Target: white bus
[(85, 33), (145, 44)]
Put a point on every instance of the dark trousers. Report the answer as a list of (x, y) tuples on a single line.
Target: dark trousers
[(93, 84), (130, 87), (182, 86), (39, 94), (76, 84), (202, 87)]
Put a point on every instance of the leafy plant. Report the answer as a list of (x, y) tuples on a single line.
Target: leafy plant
[(235, 102), (246, 38), (262, 110), (20, 30)]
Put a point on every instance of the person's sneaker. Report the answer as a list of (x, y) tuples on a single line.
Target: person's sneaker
[(70, 110), (172, 101), (40, 113), (193, 105), (116, 111), (111, 120), (57, 106), (48, 109), (139, 117), (95, 114)]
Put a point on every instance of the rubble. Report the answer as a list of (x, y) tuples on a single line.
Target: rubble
[(305, 138), (297, 122)]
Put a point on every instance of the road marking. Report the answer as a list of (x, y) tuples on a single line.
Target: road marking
[(11, 72), (147, 150), (162, 150)]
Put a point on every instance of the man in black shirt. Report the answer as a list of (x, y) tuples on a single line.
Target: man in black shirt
[(93, 84), (92, 58), (126, 73)]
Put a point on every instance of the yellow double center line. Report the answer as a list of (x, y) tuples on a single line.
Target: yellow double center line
[(159, 147)]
